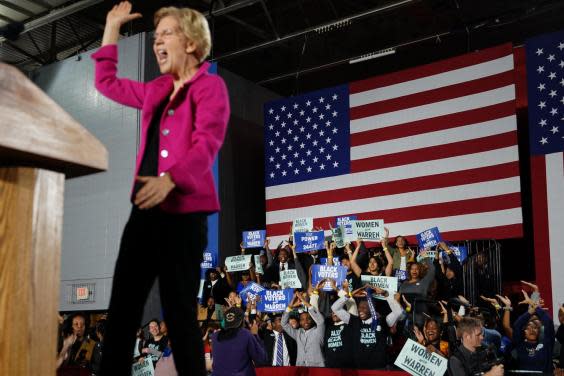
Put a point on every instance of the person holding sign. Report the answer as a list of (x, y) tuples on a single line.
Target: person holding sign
[(449, 277), (309, 337), (375, 266), (272, 273), (416, 287), (401, 253), (431, 337)]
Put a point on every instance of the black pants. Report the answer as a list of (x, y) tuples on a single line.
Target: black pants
[(168, 247)]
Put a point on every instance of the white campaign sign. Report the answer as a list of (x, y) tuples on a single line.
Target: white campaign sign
[(368, 230), (302, 225), (289, 279), (416, 360), (238, 263), (258, 265), (143, 369), (389, 284)]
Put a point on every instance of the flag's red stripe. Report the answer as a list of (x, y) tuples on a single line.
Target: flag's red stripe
[(476, 175), (541, 227), (433, 96), (432, 69), (495, 232), (436, 152), (439, 123), (445, 209)]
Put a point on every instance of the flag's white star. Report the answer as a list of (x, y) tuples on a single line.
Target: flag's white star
[(552, 93), (309, 169), (283, 140), (335, 96), (321, 116), (328, 157), (550, 58), (542, 104), (290, 147), (277, 150), (296, 155), (277, 133), (314, 110), (308, 103), (278, 166), (308, 119), (541, 87), (302, 129), (321, 150), (562, 100), (302, 112), (271, 159), (283, 108), (289, 115), (314, 159), (283, 124), (271, 111), (335, 164), (302, 145), (302, 162), (561, 65), (334, 130), (308, 136), (542, 123), (322, 166), (296, 171), (552, 75), (554, 129), (561, 46), (328, 123), (283, 157), (321, 100), (271, 143), (315, 142), (334, 113), (540, 69), (289, 131), (327, 106), (290, 164), (328, 140), (296, 122), (272, 175), (554, 111), (543, 140), (539, 52), (335, 147), (321, 133), (284, 173), (315, 126), (308, 153), (277, 117), (295, 106), (296, 138), (562, 82), (271, 127)]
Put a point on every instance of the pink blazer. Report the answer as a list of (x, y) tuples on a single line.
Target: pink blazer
[(192, 127)]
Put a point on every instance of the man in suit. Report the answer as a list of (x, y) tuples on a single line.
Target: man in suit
[(215, 286), (272, 273), (280, 347)]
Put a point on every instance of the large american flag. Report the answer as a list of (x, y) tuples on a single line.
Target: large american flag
[(425, 147), (545, 83)]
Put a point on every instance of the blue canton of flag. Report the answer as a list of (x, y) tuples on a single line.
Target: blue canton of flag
[(545, 82), (307, 137)]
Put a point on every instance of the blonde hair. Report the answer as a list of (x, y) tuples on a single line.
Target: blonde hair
[(193, 25)]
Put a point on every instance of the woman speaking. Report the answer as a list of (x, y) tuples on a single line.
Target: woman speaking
[(184, 119)]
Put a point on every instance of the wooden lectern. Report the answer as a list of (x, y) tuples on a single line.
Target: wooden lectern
[(40, 144)]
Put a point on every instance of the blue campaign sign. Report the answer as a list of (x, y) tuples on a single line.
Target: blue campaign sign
[(401, 275), (461, 252), (209, 260), (251, 291), (320, 272), (254, 239), (429, 238), (324, 261), (309, 241), (274, 300)]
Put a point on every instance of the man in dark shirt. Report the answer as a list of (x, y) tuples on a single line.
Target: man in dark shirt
[(338, 344), (468, 360)]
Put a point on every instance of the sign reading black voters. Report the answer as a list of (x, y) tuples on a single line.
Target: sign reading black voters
[(368, 230), (238, 263), (302, 225), (254, 239), (416, 360)]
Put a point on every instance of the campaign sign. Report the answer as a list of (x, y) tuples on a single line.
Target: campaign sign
[(346, 222), (309, 241), (429, 254), (416, 360), (461, 252), (238, 263), (274, 300), (429, 238), (251, 291), (335, 272), (389, 284), (254, 239), (258, 265), (209, 261), (289, 279), (338, 236), (302, 225), (368, 230), (325, 261), (401, 275), (143, 369)]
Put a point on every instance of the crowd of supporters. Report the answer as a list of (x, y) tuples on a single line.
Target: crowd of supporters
[(353, 324)]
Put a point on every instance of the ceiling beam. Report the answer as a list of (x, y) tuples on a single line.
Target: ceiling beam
[(17, 8)]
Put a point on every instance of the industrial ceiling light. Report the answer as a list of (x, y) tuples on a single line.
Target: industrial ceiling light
[(373, 55)]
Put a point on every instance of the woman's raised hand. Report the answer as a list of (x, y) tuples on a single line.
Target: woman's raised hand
[(121, 14)]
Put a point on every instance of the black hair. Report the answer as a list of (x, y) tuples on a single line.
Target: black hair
[(101, 327)]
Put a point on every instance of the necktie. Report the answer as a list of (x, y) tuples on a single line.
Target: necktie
[(280, 350), (283, 267)]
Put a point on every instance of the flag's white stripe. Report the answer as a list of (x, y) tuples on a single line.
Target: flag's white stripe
[(446, 224), (452, 164), (396, 201), (453, 77), (431, 110), (442, 137), (555, 204)]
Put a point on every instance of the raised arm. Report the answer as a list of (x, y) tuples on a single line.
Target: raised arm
[(390, 264), (354, 266), (338, 309)]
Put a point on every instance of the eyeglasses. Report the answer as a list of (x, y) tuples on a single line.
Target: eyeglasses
[(164, 34)]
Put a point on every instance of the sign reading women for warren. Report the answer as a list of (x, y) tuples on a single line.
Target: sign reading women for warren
[(254, 239), (429, 238), (416, 360), (274, 300), (302, 225), (320, 272), (368, 230), (238, 263), (251, 291), (309, 241)]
